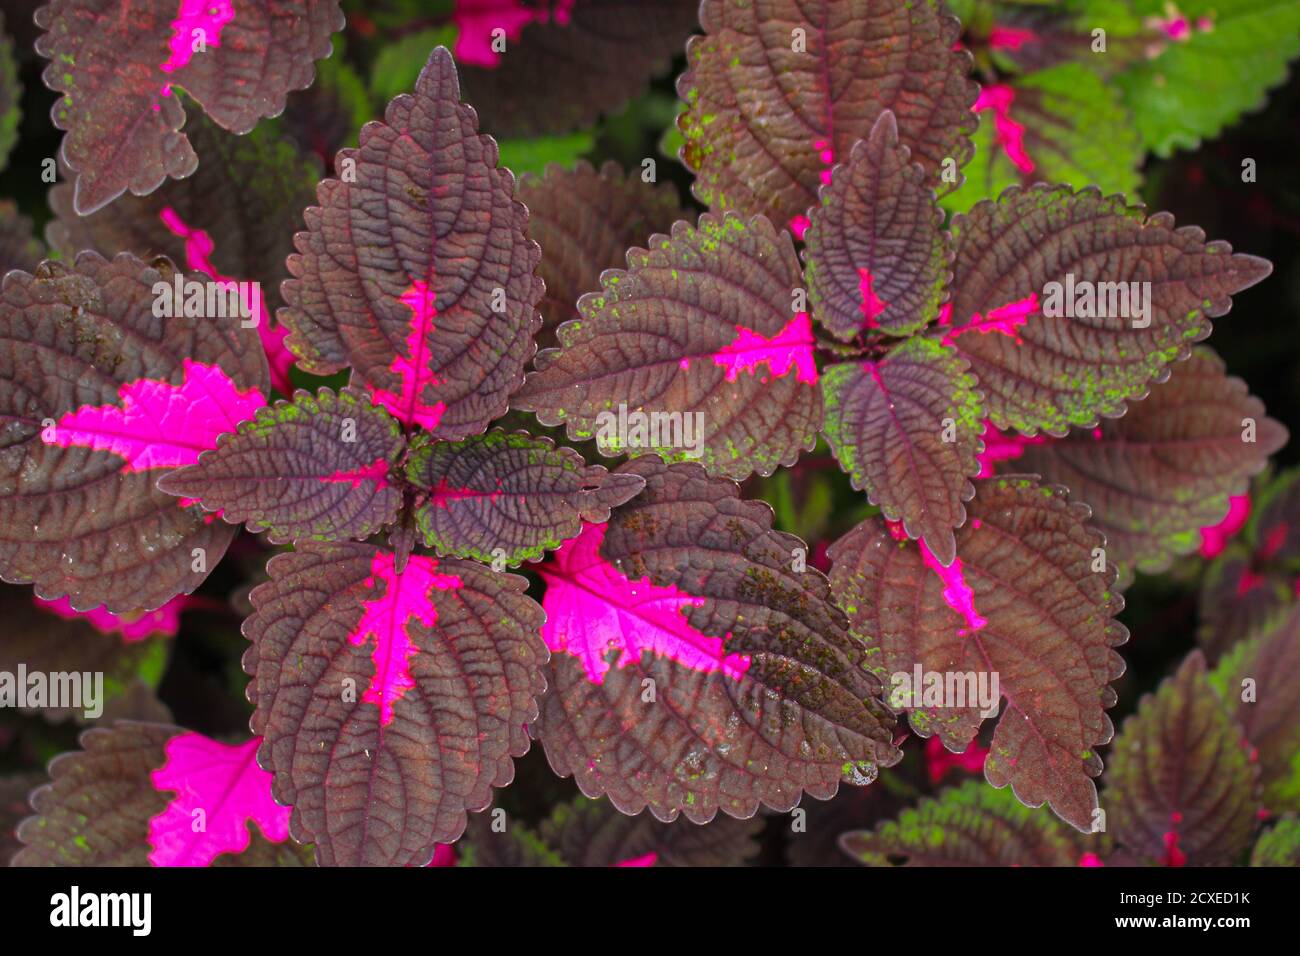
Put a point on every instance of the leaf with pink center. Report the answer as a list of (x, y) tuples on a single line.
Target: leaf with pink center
[(768, 117), (391, 697), (1026, 269), (585, 221), (876, 257), (572, 61), (757, 694), (319, 467), (972, 825), (906, 430), (508, 496), (101, 804), (223, 787), (120, 396), (1021, 603), (120, 67), (1168, 467), (1181, 789), (699, 331), (1257, 680), (427, 289)]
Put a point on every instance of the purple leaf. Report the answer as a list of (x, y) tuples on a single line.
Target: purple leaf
[(703, 673), (19, 248), (971, 825), (391, 701), (117, 66), (585, 222), (13, 808), (118, 395), (1181, 789), (1022, 603), (1050, 372), (319, 467), (560, 73), (427, 289), (1168, 467), (770, 110), (906, 430), (876, 256), (508, 495), (1237, 601), (700, 332)]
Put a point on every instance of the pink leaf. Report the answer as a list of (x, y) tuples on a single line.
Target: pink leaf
[(1214, 538), (220, 787), (166, 620), (1010, 135), (791, 347)]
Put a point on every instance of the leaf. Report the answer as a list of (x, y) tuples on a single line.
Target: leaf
[(1268, 708), (13, 808), (756, 692), (971, 825), (593, 833), (117, 69), (698, 329), (219, 784), (1181, 789), (876, 257), (403, 282), (1065, 124), (906, 429), (1020, 601), (766, 121), (98, 807), (97, 669), (320, 467), (1042, 372), (585, 222), (1168, 467), (517, 845), (325, 117), (1208, 62), (11, 94), (117, 395), (391, 701), (508, 495), (588, 59), (1237, 602), (1280, 846), (19, 248), (1275, 529), (397, 66)]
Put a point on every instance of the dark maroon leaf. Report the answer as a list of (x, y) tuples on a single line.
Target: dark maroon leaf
[(390, 701), (319, 467), (694, 668), (326, 116), (484, 844), (876, 255), (1024, 600), (566, 70), (102, 397), (585, 222), (1040, 372), (415, 270), (1258, 680), (907, 429), (509, 496), (1181, 789), (1237, 602), (119, 67), (19, 248), (972, 825), (1275, 528), (769, 111), (14, 789), (699, 331), (1168, 467)]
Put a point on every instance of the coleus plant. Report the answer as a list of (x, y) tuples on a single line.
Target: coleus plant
[(685, 657)]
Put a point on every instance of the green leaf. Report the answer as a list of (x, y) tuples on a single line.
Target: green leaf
[(534, 155), (398, 64), (1280, 846)]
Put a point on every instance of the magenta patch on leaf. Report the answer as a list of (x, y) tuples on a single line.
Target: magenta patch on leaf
[(476, 19), (939, 759), (646, 859), (1010, 38), (1214, 538), (1090, 859), (443, 493), (957, 594), (405, 599), (196, 19), (827, 156), (593, 608), (376, 472), (999, 446), (872, 304), (1273, 541), (221, 786), (157, 424), (791, 347), (1004, 320), (413, 368), (198, 258), (164, 621), (799, 225), (1009, 134)]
